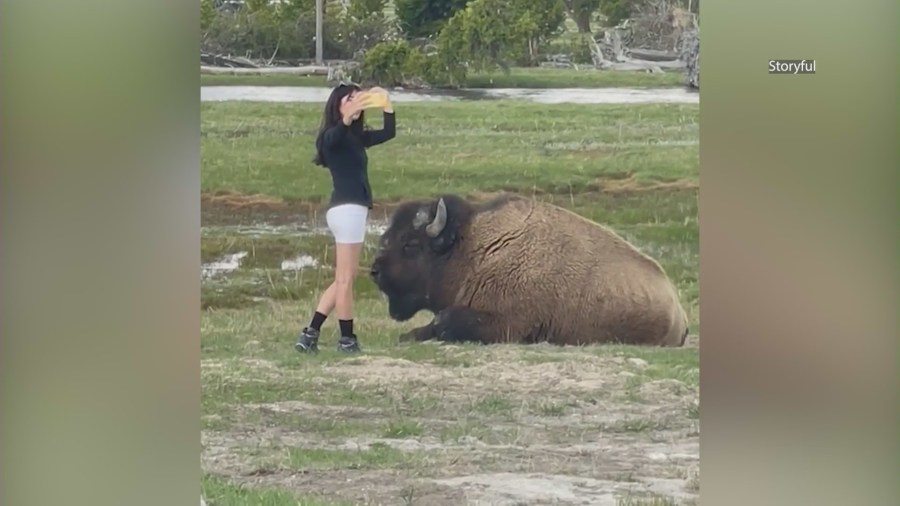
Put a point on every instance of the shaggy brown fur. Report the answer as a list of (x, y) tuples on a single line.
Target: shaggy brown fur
[(520, 270)]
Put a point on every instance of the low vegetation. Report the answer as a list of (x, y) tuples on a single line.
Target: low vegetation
[(439, 43), (469, 147)]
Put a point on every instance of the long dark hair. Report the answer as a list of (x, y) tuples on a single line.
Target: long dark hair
[(332, 116)]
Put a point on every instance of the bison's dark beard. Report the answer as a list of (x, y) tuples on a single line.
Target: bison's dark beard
[(404, 307), (403, 302)]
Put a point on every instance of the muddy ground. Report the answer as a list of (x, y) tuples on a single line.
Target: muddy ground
[(226, 208)]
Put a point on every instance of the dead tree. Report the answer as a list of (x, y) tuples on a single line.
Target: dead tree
[(690, 53)]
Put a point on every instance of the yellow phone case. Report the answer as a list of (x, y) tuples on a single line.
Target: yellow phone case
[(373, 100)]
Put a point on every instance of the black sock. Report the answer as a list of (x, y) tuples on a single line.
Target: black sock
[(346, 327), (317, 321)]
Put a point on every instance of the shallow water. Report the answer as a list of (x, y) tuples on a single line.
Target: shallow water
[(226, 264), (232, 262), (298, 263), (544, 96)]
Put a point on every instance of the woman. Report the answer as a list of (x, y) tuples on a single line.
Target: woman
[(341, 147)]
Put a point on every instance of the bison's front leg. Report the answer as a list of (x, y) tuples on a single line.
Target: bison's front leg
[(455, 324), (459, 324), (419, 334)]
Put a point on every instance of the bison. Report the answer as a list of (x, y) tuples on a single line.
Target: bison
[(518, 270)]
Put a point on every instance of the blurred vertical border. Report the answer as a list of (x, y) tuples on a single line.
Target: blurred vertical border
[(100, 257), (100, 221), (799, 248)]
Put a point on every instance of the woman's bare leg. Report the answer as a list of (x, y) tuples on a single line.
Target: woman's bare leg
[(327, 300), (338, 297), (345, 273), (308, 340)]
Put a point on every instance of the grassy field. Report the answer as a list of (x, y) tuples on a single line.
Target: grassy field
[(517, 78), (427, 424)]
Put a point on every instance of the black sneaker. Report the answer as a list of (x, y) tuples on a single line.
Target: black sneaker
[(348, 344), (308, 341)]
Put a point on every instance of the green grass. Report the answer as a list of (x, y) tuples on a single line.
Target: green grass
[(551, 408), (467, 147), (493, 406), (635, 425), (519, 77), (378, 456), (403, 429), (634, 168), (219, 492), (585, 77), (682, 364)]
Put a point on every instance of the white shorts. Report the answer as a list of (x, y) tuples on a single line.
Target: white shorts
[(347, 223)]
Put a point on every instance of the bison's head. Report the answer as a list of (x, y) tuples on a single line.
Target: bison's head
[(414, 251)]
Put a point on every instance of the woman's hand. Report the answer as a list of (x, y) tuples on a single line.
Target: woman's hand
[(388, 107), (352, 111)]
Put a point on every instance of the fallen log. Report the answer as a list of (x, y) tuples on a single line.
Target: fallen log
[(310, 70), (226, 61), (654, 55), (555, 65), (669, 65), (630, 67)]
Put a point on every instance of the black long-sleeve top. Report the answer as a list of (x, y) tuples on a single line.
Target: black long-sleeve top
[(345, 156)]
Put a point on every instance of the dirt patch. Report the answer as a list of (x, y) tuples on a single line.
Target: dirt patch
[(511, 489), (465, 472), (633, 185), (243, 367), (500, 425), (386, 371), (231, 208), (309, 410), (497, 369), (238, 201), (361, 488), (226, 208)]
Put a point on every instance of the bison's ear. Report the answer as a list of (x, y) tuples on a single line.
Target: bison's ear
[(444, 242)]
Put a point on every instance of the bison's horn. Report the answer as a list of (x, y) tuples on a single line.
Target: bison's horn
[(435, 228)]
